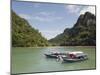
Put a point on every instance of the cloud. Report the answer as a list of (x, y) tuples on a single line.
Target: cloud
[(73, 8), (25, 16), (77, 9), (38, 18), (46, 13), (88, 9), (50, 33), (36, 5), (42, 17), (47, 17)]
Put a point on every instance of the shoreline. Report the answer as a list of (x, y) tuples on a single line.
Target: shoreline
[(53, 46)]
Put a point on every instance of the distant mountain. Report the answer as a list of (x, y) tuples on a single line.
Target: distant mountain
[(82, 33), (23, 35)]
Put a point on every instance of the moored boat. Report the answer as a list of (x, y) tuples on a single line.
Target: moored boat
[(75, 57), (54, 54), (51, 55)]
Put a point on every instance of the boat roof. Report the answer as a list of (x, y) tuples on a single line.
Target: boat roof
[(69, 52), (76, 52)]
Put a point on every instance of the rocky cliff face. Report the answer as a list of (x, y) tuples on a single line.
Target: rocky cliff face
[(85, 20), (82, 33)]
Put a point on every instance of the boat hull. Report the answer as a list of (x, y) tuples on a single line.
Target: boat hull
[(73, 60), (50, 56)]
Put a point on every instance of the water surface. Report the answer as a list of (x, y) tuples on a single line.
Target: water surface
[(25, 60)]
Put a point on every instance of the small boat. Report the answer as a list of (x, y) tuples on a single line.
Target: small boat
[(73, 60), (51, 55), (74, 57), (54, 54)]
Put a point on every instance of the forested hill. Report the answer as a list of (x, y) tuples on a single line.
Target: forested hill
[(83, 33), (23, 35)]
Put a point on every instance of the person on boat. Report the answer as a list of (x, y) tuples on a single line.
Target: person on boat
[(59, 57), (73, 56)]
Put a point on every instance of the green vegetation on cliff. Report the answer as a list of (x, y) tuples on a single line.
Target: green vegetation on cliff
[(23, 35)]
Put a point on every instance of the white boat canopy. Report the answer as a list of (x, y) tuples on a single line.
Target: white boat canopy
[(75, 52)]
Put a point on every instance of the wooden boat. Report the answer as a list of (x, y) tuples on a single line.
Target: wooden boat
[(74, 57), (51, 55), (54, 55), (74, 60)]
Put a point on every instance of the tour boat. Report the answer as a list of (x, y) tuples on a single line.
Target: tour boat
[(54, 54), (74, 57)]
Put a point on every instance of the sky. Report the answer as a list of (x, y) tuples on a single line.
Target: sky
[(50, 18)]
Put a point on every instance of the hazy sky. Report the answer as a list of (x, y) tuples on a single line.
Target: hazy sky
[(50, 19)]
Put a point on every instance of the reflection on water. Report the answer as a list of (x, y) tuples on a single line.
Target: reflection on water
[(33, 59)]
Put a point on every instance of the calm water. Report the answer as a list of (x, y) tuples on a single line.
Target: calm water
[(33, 60)]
